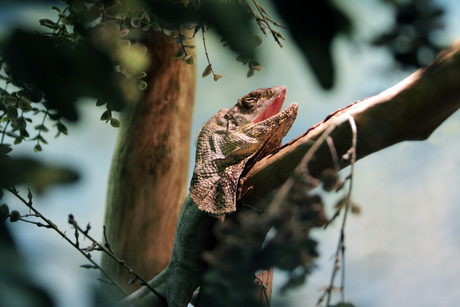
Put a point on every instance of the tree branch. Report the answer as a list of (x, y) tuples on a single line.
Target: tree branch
[(410, 110)]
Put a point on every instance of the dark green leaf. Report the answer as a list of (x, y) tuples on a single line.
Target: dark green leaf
[(100, 102), (255, 65), (41, 128), (15, 216), (179, 53), (56, 9), (5, 148), (190, 60), (142, 85), (10, 100), (49, 24), (106, 115), (114, 123), (140, 75), (207, 71), (61, 128)]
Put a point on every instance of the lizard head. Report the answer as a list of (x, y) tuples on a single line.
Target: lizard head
[(258, 114), (257, 107)]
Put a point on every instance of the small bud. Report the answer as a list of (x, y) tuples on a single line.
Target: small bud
[(217, 77), (330, 179), (355, 209), (132, 280)]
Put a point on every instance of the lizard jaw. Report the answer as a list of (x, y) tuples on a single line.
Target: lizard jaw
[(274, 108)]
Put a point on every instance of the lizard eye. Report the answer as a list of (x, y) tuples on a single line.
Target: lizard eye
[(250, 102)]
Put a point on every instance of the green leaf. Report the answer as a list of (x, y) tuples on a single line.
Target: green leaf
[(106, 115), (113, 10), (100, 102), (61, 128), (255, 65), (37, 148), (179, 53), (69, 19), (207, 71), (156, 27), (135, 23), (42, 139), (56, 9), (5, 148), (190, 60), (41, 128), (250, 73), (15, 216), (49, 24), (142, 85), (114, 123), (242, 59), (140, 75), (10, 100)]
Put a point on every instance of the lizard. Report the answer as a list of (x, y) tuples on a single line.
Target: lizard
[(254, 126)]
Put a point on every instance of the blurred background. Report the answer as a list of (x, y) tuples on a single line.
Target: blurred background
[(402, 250)]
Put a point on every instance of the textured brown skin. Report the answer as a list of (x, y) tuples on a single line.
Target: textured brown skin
[(228, 140), (184, 272), (148, 178)]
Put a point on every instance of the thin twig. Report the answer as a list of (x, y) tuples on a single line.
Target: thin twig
[(340, 252), (203, 30), (50, 224), (119, 261)]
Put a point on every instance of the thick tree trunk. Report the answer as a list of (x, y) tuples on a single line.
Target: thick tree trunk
[(148, 180)]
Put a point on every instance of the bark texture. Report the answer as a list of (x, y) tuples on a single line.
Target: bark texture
[(148, 179)]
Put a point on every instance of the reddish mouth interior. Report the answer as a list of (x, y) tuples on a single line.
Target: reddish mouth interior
[(273, 109)]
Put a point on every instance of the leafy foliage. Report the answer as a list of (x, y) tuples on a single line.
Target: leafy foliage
[(313, 27), (239, 253), (411, 38)]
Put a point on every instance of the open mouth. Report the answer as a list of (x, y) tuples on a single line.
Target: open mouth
[(273, 109)]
